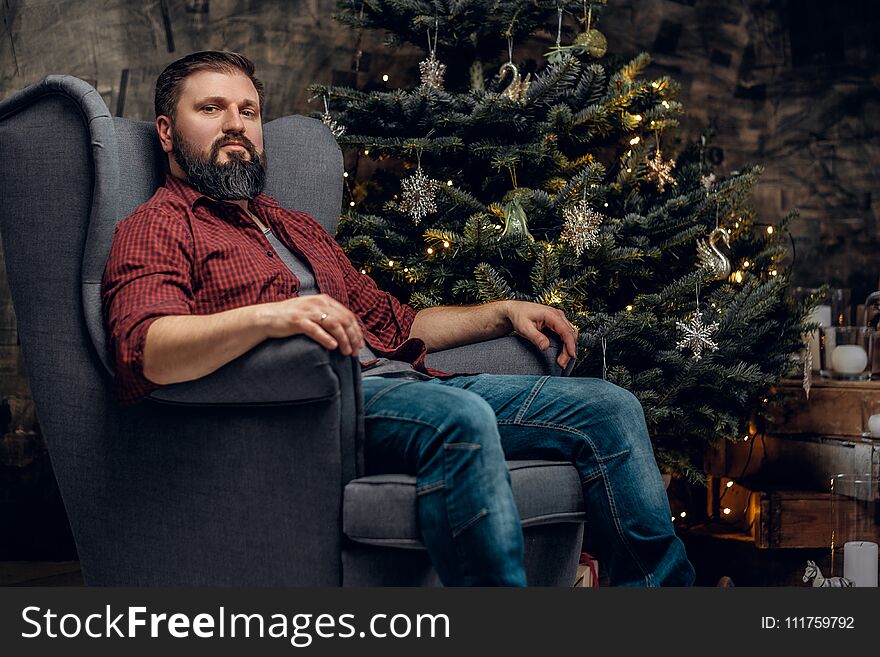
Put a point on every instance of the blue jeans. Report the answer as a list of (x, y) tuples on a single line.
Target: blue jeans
[(454, 435)]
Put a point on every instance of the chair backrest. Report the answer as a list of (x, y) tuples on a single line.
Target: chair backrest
[(69, 172)]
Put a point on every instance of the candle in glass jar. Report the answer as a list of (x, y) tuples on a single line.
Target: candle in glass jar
[(849, 359)]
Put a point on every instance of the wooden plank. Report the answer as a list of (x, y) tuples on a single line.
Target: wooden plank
[(809, 519), (835, 408)]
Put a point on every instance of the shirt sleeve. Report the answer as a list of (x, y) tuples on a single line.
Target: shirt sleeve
[(148, 275), (382, 313)]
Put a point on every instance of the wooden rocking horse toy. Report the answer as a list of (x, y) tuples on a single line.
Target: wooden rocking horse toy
[(813, 573)]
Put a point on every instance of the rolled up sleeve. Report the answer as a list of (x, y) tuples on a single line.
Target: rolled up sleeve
[(148, 275)]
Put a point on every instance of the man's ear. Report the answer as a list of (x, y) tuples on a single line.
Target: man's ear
[(164, 129)]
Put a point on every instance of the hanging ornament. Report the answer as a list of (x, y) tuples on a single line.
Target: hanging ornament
[(697, 335), (478, 80), (418, 195), (604, 359), (808, 370), (708, 182), (593, 41), (710, 256), (660, 170), (431, 70), (581, 227), (516, 223), (518, 87), (335, 127)]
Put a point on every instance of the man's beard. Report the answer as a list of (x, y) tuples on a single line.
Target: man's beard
[(236, 179)]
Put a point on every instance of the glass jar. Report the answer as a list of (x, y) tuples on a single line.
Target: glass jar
[(846, 352)]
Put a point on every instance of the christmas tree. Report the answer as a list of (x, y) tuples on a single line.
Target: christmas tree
[(486, 182)]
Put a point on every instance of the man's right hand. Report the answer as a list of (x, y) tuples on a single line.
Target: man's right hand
[(318, 316)]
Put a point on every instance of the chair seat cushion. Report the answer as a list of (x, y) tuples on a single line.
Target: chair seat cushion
[(381, 509)]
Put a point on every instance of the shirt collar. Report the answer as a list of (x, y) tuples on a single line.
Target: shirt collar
[(190, 194)]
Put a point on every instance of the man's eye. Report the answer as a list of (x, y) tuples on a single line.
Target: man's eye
[(208, 108), (249, 113)]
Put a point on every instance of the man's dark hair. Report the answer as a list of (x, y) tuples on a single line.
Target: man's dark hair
[(169, 83)]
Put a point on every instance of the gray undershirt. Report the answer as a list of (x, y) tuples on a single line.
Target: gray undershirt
[(307, 285)]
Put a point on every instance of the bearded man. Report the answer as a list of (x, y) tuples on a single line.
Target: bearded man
[(210, 267)]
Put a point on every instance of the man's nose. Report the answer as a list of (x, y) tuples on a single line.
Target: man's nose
[(233, 122)]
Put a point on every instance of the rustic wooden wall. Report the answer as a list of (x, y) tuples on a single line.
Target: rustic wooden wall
[(790, 84)]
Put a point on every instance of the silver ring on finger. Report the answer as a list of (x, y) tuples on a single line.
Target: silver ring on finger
[(323, 317)]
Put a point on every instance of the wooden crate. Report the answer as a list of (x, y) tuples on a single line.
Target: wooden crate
[(806, 519), (835, 408)]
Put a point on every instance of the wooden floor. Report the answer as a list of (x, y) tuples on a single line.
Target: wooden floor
[(713, 554), (40, 573)]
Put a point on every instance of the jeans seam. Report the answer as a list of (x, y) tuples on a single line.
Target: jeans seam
[(528, 402), (384, 392), (616, 516), (482, 513), (384, 416), (430, 488), (601, 473)]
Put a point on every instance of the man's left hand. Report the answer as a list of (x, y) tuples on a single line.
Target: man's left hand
[(528, 319)]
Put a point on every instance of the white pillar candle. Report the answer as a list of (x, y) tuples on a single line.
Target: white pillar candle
[(820, 315), (874, 426), (849, 359), (860, 563)]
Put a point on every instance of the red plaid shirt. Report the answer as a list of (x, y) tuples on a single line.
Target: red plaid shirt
[(182, 253)]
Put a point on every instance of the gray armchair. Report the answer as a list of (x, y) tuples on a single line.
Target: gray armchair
[(251, 476)]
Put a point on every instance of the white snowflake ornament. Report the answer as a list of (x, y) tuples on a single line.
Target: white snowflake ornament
[(697, 335)]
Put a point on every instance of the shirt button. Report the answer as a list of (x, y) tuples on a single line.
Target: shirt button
[(270, 254)]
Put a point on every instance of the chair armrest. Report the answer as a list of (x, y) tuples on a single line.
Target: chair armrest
[(292, 370), (511, 354)]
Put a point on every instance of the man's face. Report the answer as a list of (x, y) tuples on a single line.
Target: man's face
[(217, 136)]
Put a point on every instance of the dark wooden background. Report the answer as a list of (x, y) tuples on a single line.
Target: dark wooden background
[(789, 84)]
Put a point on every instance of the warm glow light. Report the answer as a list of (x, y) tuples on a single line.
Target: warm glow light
[(729, 484), (673, 518), (737, 277), (449, 183), (666, 104), (769, 230), (637, 117), (726, 511), (390, 263), (345, 174), (683, 514), (351, 203), (629, 307), (746, 264), (634, 141), (366, 151), (655, 84), (773, 272), (606, 204), (628, 170), (745, 439), (430, 250), (445, 244), (385, 78), (406, 269)]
